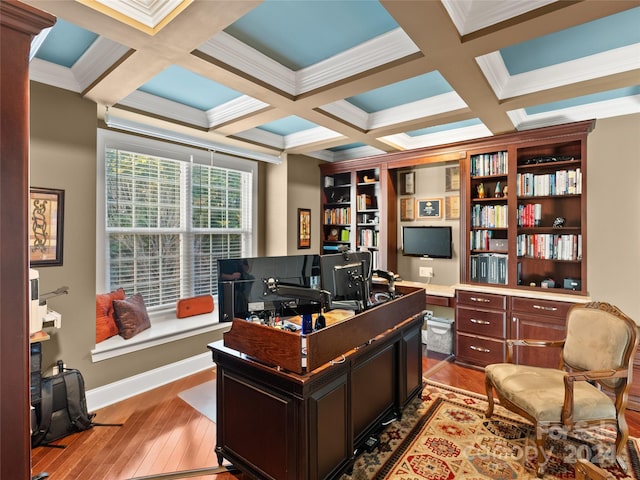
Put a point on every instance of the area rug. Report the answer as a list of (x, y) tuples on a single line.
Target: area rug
[(444, 435), (203, 398)]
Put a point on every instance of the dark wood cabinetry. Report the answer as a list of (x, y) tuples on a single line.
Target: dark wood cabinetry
[(485, 320), (311, 424), (359, 210)]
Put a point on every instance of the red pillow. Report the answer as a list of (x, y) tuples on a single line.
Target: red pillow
[(105, 320)]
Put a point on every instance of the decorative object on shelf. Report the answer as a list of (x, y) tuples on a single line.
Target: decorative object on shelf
[(407, 183), (498, 191), (480, 190), (304, 228), (46, 210), (452, 179), (452, 208), (429, 208), (406, 209), (558, 222), (332, 236), (548, 283)]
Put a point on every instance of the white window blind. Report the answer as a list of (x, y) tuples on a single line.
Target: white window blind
[(168, 221)]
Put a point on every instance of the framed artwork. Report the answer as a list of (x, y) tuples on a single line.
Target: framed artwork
[(407, 183), (46, 216), (406, 209), (429, 208), (452, 179), (304, 228), (452, 208)]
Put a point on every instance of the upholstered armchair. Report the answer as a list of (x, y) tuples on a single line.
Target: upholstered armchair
[(596, 357)]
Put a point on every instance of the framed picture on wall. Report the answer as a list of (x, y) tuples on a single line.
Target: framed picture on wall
[(406, 209), (304, 228), (429, 208), (452, 179), (452, 208), (407, 183), (46, 215)]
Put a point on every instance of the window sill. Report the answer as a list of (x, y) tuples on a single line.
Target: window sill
[(165, 328)]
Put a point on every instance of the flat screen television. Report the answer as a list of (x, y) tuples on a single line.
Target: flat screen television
[(427, 241), (242, 291)]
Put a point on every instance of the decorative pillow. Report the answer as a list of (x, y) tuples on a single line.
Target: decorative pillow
[(131, 316), (105, 321)]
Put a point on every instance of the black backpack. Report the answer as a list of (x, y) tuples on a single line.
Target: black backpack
[(62, 408)]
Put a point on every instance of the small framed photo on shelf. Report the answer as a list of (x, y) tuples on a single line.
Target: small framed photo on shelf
[(407, 183), (452, 179), (406, 209), (429, 208), (46, 214), (304, 228), (452, 208)]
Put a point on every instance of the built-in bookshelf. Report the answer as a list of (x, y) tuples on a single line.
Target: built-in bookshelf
[(488, 217), (355, 211), (526, 205)]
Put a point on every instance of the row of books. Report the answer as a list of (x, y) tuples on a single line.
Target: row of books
[(489, 216), (368, 237), (484, 240), (337, 216), (550, 246), (489, 164), (489, 268), (562, 182), (529, 215), (365, 201)]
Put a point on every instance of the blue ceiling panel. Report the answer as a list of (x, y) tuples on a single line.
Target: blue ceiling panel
[(287, 126), (444, 128), (346, 147), (584, 100), (301, 33), (194, 91), (65, 44), (594, 37), (410, 90)]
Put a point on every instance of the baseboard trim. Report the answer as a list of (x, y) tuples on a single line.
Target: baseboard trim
[(128, 387)]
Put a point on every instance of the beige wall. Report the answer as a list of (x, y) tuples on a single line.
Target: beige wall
[(63, 155), (613, 213)]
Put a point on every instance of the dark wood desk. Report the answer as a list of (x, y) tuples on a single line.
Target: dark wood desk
[(281, 425)]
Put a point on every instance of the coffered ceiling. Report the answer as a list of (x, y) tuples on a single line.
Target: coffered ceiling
[(339, 79)]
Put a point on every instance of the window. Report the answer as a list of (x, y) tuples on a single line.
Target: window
[(169, 213)]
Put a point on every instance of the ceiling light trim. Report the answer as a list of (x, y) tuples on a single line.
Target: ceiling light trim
[(615, 61), (403, 141), (146, 102), (161, 133), (604, 109)]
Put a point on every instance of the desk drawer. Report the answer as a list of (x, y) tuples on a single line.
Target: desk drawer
[(534, 306), (480, 322), (482, 300), (479, 351)]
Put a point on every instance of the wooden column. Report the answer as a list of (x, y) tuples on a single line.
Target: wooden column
[(19, 23)]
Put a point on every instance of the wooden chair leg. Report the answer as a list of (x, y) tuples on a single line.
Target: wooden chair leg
[(489, 388), (541, 437), (622, 435)]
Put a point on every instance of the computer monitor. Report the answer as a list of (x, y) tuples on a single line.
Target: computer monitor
[(347, 277), (242, 285)]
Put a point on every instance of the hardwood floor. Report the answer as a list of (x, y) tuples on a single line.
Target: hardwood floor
[(162, 433)]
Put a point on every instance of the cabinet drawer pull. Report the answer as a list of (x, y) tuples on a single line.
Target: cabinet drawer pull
[(542, 307), (478, 299), (480, 349), (479, 322)]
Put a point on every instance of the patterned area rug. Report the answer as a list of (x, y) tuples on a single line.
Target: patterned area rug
[(445, 435)]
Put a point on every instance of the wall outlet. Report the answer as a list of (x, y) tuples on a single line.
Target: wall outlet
[(426, 272)]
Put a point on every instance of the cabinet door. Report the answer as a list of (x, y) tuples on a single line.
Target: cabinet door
[(526, 326), (410, 363), (330, 443)]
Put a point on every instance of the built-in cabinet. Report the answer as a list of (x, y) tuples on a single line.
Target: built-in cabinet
[(358, 211), (484, 321)]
